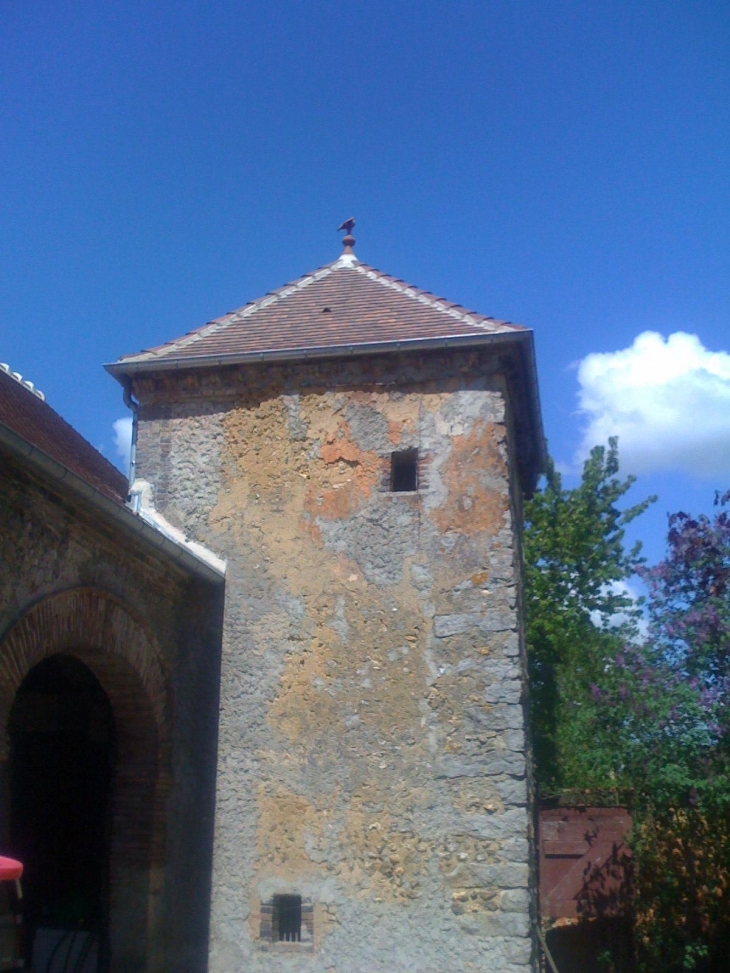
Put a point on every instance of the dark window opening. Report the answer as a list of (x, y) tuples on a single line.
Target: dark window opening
[(404, 471), (287, 923)]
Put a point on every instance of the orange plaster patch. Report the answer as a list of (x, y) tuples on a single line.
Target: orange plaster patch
[(473, 505), (341, 450), (397, 427), (347, 480), (310, 529)]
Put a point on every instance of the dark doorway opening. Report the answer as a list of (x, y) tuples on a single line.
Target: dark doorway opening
[(62, 762)]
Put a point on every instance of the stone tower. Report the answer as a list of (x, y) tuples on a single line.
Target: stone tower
[(357, 450)]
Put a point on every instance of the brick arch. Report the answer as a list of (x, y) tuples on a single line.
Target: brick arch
[(100, 631)]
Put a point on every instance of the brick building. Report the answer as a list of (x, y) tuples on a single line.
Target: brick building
[(109, 649), (356, 452)]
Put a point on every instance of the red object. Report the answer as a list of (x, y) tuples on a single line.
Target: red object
[(10, 869), (585, 862)]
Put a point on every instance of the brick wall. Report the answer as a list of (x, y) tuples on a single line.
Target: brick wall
[(75, 585)]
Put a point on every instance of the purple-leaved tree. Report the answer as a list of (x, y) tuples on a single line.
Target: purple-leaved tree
[(666, 703)]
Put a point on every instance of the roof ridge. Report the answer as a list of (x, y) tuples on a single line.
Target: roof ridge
[(454, 309), (26, 384), (238, 314)]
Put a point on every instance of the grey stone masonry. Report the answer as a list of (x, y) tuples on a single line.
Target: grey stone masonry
[(371, 755)]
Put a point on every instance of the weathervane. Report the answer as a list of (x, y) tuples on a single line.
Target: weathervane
[(348, 240)]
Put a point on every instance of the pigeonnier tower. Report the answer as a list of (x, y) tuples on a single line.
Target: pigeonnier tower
[(358, 450)]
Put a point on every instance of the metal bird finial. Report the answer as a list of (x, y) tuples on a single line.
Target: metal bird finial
[(348, 240)]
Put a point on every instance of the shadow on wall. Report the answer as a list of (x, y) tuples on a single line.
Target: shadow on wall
[(592, 946), (586, 888)]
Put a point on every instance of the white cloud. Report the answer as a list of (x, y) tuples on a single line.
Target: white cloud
[(629, 590), (123, 439), (668, 401)]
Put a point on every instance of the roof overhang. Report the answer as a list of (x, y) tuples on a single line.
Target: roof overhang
[(134, 366), (113, 512)]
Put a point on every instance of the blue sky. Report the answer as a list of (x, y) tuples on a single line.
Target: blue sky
[(563, 165)]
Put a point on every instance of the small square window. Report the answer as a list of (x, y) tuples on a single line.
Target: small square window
[(404, 471), (286, 926), (287, 922)]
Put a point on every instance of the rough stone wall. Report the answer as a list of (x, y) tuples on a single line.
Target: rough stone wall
[(371, 745), (50, 547)]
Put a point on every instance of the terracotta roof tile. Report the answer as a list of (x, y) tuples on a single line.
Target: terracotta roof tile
[(341, 305), (31, 418)]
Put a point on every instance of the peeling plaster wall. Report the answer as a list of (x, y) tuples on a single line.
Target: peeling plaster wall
[(371, 740)]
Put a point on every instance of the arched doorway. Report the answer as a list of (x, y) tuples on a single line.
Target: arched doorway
[(100, 634), (62, 755)]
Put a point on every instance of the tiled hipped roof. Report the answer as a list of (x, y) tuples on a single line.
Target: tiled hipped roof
[(347, 308), (343, 305), (30, 417)]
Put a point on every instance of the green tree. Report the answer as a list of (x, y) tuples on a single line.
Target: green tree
[(650, 715), (668, 704), (575, 565)]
